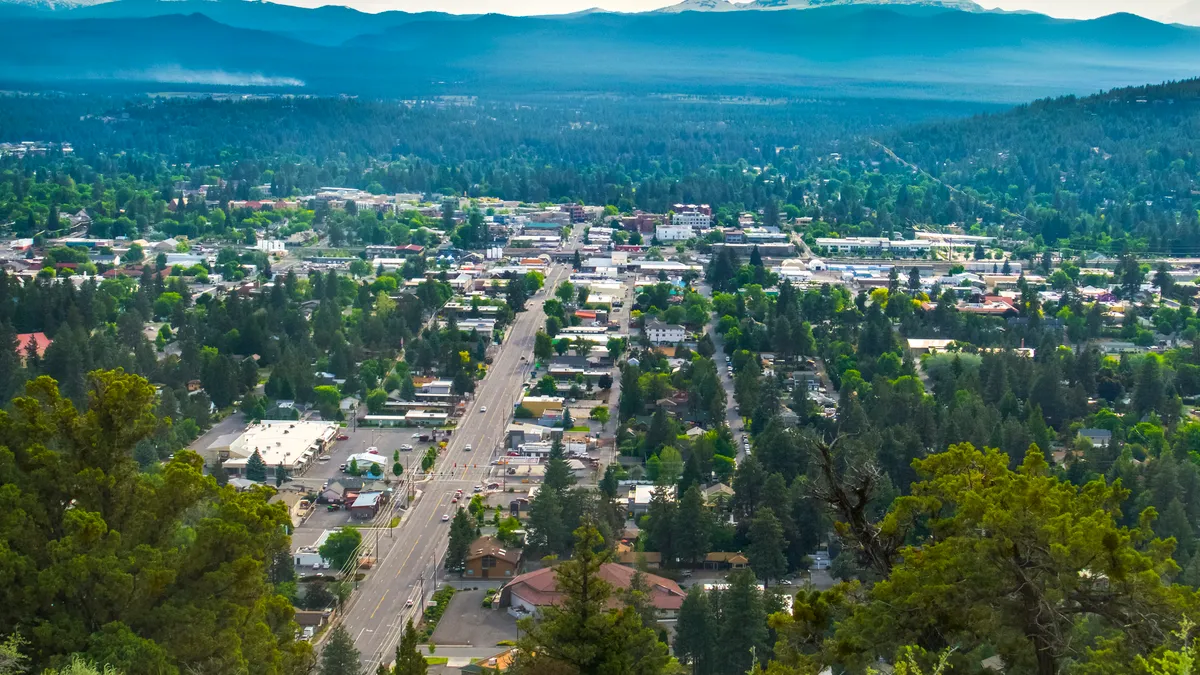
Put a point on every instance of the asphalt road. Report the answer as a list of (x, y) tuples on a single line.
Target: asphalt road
[(732, 418), (408, 564)]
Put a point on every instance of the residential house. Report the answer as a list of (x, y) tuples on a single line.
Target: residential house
[(39, 341), (297, 505), (722, 560), (638, 500), (717, 495), (664, 333), (489, 558), (1099, 438)]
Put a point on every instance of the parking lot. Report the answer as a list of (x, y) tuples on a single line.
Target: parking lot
[(323, 472), (466, 622)]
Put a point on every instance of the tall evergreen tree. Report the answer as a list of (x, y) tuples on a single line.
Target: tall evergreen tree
[(693, 526), (767, 546), (462, 533), (256, 468), (696, 632), (743, 620), (340, 657), (409, 661), (583, 634)]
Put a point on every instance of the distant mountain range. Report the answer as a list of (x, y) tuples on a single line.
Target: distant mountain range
[(904, 49), (727, 6)]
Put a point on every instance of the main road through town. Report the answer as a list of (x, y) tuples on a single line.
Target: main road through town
[(408, 561)]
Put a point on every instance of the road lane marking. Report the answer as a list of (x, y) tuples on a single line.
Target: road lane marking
[(385, 592)]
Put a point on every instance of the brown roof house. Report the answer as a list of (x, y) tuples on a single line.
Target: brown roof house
[(533, 590), (726, 560), (489, 559)]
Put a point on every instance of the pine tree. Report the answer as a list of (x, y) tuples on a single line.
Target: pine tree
[(914, 279), (767, 545), (743, 624), (696, 632), (409, 661), (462, 532), (632, 402), (694, 527), (256, 468), (340, 657)]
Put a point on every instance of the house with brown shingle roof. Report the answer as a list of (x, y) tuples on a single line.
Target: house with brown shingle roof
[(726, 560), (488, 558)]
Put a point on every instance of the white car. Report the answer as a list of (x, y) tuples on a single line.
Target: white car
[(483, 408), (445, 517), (467, 448)]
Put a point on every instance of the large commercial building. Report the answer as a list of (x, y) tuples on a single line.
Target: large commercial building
[(284, 445), (691, 215), (874, 246)]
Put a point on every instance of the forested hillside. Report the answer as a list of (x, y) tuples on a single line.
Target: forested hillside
[(630, 152), (1098, 173)]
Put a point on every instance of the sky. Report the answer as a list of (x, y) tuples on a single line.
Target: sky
[(1072, 9)]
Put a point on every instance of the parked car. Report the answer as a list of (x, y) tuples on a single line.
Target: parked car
[(373, 450), (406, 447), (323, 458)]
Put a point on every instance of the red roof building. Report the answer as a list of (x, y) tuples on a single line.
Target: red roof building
[(38, 339), (533, 590)]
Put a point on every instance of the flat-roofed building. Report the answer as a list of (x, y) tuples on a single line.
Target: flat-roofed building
[(285, 445)]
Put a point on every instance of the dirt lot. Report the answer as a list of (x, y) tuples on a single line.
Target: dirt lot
[(466, 622)]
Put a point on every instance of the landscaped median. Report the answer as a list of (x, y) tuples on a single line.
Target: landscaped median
[(433, 614)]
